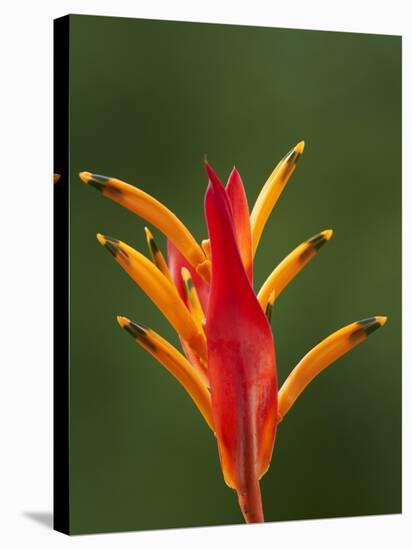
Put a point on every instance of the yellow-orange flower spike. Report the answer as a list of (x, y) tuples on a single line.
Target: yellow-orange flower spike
[(323, 355), (151, 210), (192, 380), (193, 299), (159, 289), (157, 256), (290, 266), (271, 192)]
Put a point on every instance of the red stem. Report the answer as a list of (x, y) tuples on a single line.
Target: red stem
[(250, 502)]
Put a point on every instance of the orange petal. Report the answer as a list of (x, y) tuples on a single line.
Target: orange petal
[(271, 192), (150, 209), (290, 266), (323, 355), (159, 289), (194, 383)]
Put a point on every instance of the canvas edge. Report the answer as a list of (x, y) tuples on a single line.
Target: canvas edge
[(61, 359)]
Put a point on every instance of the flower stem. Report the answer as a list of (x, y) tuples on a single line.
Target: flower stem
[(250, 502)]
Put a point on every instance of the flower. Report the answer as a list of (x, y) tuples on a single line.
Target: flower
[(206, 293)]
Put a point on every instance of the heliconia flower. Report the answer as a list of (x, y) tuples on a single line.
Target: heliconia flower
[(206, 292)]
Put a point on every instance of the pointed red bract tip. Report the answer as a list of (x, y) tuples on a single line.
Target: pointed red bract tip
[(213, 178), (241, 219)]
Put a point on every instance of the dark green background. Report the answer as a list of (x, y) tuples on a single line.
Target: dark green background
[(148, 99)]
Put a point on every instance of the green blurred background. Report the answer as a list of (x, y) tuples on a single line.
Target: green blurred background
[(148, 99)]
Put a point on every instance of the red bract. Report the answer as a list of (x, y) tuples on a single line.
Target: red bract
[(241, 357)]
